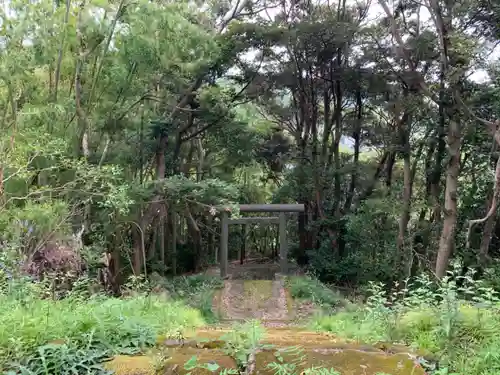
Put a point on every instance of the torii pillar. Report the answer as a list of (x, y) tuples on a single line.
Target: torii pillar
[(281, 208)]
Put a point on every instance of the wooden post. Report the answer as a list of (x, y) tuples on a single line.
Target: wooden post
[(283, 245), (247, 232), (224, 237), (242, 245), (162, 237), (210, 236), (174, 243), (249, 220)]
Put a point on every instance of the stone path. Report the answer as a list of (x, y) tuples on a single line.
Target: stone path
[(316, 350), (264, 300), (257, 291)]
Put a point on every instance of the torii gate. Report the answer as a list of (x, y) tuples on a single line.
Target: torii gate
[(281, 219)]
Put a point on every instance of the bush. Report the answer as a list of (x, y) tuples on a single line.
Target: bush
[(33, 328), (310, 289), (197, 290), (183, 286), (460, 326)]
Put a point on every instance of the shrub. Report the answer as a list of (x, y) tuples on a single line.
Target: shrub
[(310, 289), (99, 325), (197, 290), (459, 325)]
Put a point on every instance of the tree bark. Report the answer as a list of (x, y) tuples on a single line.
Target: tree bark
[(160, 158), (407, 195), (489, 226), (356, 135), (446, 241)]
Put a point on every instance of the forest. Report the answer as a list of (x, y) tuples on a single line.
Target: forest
[(126, 125)]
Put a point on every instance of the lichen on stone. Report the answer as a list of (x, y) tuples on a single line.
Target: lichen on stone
[(319, 350), (131, 365)]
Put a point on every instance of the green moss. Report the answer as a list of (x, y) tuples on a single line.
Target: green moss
[(346, 361), (320, 349), (168, 361), (131, 365), (257, 293)]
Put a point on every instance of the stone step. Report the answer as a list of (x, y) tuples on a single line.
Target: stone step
[(317, 350), (278, 336), (265, 300)]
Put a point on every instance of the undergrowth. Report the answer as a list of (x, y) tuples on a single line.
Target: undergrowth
[(307, 288), (197, 290), (75, 334), (455, 324)]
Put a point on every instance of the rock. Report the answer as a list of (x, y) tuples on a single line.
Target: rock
[(317, 349)]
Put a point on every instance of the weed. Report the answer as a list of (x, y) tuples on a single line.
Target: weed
[(458, 325), (197, 290), (310, 289), (74, 328), (160, 360), (244, 342), (291, 366), (193, 364)]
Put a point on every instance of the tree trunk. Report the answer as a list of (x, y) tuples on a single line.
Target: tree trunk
[(337, 191), (391, 160), (407, 193), (446, 241), (138, 251), (160, 157), (489, 226), (356, 134), (173, 218), (437, 171)]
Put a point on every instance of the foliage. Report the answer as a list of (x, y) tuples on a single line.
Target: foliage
[(62, 359), (243, 342), (122, 122), (198, 292), (456, 325), (310, 289), (78, 332), (193, 364)]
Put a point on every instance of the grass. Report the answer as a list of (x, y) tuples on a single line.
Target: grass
[(76, 331), (455, 327), (198, 292), (307, 288)]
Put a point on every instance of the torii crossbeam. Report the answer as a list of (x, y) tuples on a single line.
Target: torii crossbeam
[(281, 208)]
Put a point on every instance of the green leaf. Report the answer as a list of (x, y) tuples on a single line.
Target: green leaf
[(212, 366), (191, 363)]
